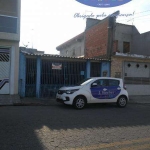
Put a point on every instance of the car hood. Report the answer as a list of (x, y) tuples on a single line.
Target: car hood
[(70, 87)]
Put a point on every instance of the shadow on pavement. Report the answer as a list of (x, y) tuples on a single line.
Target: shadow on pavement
[(20, 125)]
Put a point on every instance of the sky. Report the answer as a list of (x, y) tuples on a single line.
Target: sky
[(45, 24)]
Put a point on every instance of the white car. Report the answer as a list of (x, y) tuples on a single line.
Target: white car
[(94, 90)]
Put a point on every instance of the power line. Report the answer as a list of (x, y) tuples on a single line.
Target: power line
[(138, 17), (133, 18), (142, 18), (145, 21), (142, 12)]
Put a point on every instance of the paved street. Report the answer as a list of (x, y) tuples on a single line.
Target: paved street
[(97, 127)]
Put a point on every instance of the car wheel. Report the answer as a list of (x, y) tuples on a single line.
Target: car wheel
[(122, 101), (79, 102)]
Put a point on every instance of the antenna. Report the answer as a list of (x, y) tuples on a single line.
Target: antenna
[(26, 45), (32, 37)]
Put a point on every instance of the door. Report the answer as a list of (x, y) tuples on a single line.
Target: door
[(4, 71), (105, 90)]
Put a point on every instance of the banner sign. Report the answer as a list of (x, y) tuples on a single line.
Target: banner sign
[(103, 3), (105, 92), (57, 66)]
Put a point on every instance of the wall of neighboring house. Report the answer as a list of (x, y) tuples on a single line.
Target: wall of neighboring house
[(91, 22), (75, 49), (9, 46), (138, 43), (135, 72), (141, 44), (7, 5), (96, 39), (99, 37), (123, 33)]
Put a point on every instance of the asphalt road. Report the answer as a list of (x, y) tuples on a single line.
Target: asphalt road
[(97, 127)]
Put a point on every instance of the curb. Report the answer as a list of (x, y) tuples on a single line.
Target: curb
[(32, 104), (42, 104), (139, 102), (29, 104)]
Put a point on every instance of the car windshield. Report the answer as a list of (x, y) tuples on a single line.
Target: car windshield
[(83, 82)]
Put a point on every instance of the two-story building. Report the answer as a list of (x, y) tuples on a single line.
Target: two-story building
[(73, 47), (9, 50)]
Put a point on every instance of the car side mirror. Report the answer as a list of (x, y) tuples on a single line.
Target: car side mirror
[(94, 84)]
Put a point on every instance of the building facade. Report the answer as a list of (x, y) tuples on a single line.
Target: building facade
[(102, 38), (135, 70), (108, 39), (9, 50)]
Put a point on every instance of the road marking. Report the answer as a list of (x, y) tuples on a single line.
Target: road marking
[(100, 146), (137, 147)]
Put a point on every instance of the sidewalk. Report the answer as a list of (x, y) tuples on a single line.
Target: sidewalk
[(51, 101), (140, 99), (37, 102)]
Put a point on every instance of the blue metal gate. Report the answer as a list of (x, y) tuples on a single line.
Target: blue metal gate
[(31, 69), (95, 69), (41, 75), (52, 79)]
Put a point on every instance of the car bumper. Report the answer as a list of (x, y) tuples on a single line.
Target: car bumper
[(67, 99), (59, 100)]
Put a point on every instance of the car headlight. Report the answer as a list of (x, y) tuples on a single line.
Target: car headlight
[(71, 91)]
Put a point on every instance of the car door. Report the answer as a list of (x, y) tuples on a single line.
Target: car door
[(105, 90), (99, 91), (114, 89)]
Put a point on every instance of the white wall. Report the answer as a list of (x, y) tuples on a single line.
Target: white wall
[(133, 71), (140, 72), (138, 89), (14, 64)]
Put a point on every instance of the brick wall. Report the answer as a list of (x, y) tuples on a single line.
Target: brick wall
[(96, 39), (116, 65)]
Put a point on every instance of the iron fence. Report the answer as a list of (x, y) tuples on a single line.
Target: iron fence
[(52, 79), (31, 69)]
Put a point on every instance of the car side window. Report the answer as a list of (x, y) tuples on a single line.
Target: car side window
[(101, 82), (113, 82)]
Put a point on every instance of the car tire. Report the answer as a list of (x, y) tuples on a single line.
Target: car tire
[(122, 101), (79, 102)]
